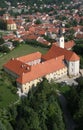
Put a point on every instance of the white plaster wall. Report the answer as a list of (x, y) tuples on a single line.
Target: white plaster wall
[(56, 75), (27, 86), (11, 26), (11, 73), (73, 68), (34, 62), (61, 42)]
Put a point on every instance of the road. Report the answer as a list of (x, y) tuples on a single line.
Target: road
[(69, 123)]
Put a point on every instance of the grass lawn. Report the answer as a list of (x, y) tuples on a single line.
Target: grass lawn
[(7, 91), (23, 49), (6, 96)]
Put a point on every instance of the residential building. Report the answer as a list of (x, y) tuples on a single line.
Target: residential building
[(11, 25)]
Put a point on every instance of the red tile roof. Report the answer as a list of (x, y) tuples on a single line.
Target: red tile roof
[(79, 36), (41, 70), (69, 44), (30, 37), (9, 37), (43, 41), (10, 21), (17, 67), (30, 57), (56, 51)]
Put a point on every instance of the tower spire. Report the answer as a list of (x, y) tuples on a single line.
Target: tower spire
[(60, 37), (60, 33)]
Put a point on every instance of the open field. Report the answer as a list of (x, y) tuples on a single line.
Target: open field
[(23, 49)]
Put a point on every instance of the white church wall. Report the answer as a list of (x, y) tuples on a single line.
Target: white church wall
[(73, 68)]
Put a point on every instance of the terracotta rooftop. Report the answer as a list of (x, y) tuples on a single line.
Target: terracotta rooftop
[(17, 67), (79, 36), (10, 21), (69, 44), (41, 70), (56, 51), (30, 57)]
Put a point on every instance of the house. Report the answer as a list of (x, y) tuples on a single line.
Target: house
[(30, 69), (9, 45), (69, 45), (43, 41), (11, 25)]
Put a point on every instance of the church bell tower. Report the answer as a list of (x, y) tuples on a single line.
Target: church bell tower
[(60, 38)]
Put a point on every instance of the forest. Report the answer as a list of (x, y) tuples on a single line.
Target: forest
[(40, 110)]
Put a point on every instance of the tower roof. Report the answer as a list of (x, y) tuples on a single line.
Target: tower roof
[(56, 51)]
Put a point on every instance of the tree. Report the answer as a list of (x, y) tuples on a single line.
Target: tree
[(16, 43), (3, 25), (38, 21), (81, 22), (13, 113), (1, 40), (67, 25), (2, 127), (7, 125), (73, 22), (73, 100), (40, 110), (79, 114), (21, 125), (4, 49)]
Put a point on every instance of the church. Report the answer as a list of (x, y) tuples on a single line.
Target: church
[(30, 69)]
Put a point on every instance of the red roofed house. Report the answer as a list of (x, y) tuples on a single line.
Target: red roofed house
[(30, 69), (69, 44), (11, 25)]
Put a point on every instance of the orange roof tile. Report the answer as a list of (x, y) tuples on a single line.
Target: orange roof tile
[(17, 67), (41, 70), (32, 29), (56, 51), (80, 36), (30, 57), (10, 21), (43, 41), (8, 37), (69, 44), (31, 37)]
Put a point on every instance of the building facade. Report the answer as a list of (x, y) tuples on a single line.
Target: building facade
[(29, 70)]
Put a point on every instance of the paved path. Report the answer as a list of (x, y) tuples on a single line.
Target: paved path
[(70, 125)]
